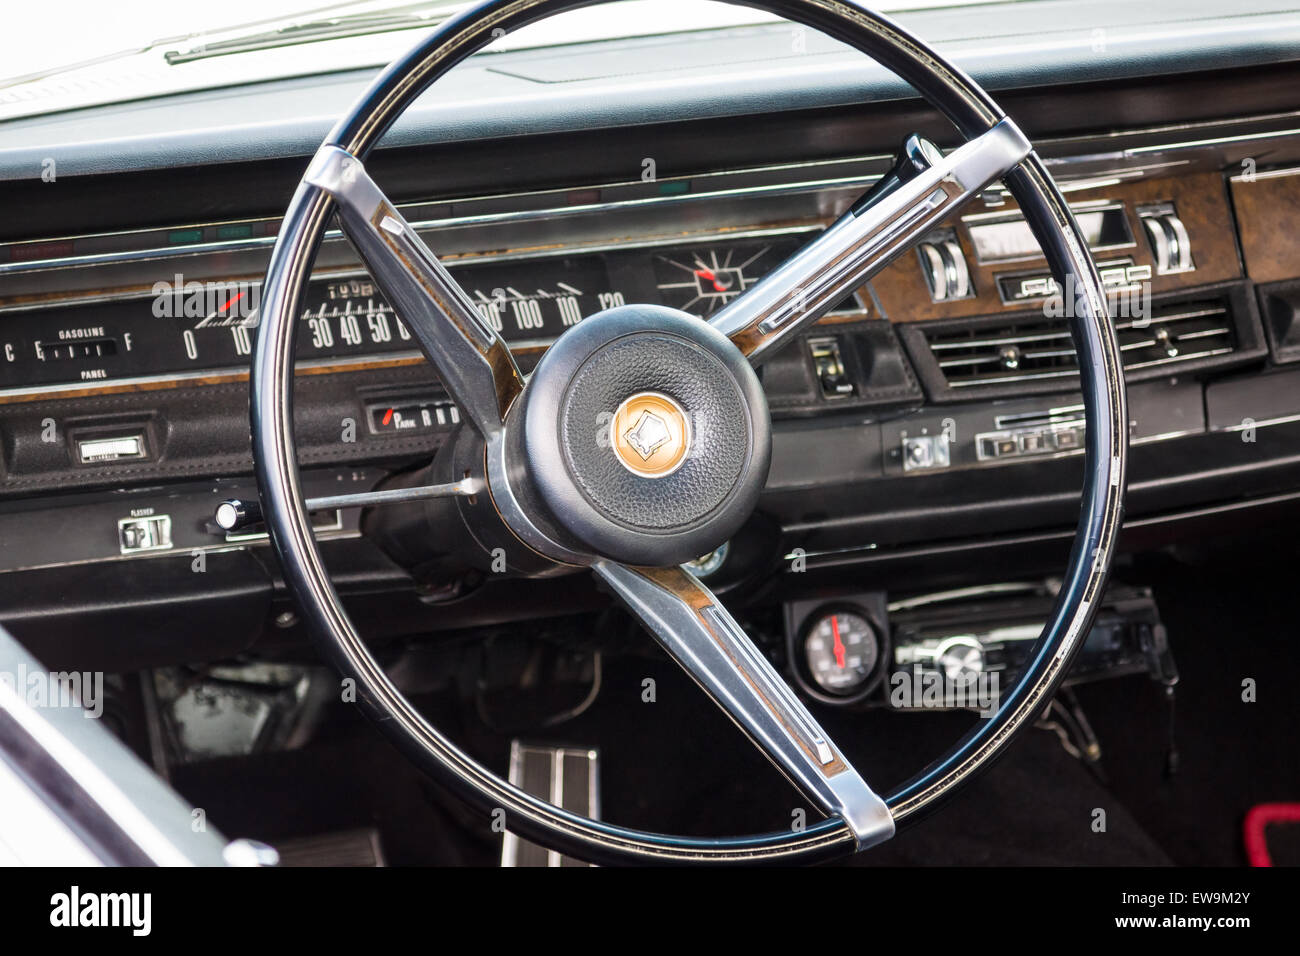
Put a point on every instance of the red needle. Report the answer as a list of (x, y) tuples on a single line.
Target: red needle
[(388, 416), (708, 276), (231, 302), (839, 644)]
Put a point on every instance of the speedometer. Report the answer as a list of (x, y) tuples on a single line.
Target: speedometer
[(185, 327), (539, 299)]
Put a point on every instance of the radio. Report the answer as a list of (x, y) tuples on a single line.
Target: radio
[(1005, 237), (1117, 276), (983, 641)]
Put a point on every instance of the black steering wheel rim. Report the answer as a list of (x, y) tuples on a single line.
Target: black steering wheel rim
[(1101, 381)]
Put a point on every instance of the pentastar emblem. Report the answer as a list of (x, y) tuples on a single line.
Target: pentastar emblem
[(650, 435)]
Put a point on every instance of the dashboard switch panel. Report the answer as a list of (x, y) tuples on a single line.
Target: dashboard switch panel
[(1060, 430), (151, 532)]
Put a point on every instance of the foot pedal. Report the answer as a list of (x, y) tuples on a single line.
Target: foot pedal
[(342, 848), (564, 776)]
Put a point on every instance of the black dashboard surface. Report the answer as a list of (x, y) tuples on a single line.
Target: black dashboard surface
[(688, 76)]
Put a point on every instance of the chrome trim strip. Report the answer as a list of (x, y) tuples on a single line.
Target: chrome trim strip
[(237, 245), (242, 543), (135, 255), (333, 529), (1282, 173), (619, 245), (959, 594), (1166, 436), (548, 213), (1212, 141), (1283, 420), (468, 259), (42, 390)]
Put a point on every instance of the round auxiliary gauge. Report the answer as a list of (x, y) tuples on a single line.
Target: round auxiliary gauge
[(841, 651)]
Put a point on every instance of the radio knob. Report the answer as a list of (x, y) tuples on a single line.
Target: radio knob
[(1170, 244), (944, 266), (235, 514)]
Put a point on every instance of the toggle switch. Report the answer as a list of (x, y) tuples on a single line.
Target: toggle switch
[(828, 363), (144, 533)]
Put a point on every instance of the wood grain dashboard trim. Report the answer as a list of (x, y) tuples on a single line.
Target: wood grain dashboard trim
[(216, 378), (1268, 214), (1200, 199)]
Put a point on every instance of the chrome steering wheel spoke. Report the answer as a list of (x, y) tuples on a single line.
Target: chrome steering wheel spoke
[(698, 632), (471, 357), (878, 228)]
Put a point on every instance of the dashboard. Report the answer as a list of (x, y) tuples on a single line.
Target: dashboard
[(930, 421)]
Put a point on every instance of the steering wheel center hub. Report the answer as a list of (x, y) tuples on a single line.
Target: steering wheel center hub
[(645, 434)]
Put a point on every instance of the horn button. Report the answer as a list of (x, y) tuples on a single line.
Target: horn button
[(644, 435)]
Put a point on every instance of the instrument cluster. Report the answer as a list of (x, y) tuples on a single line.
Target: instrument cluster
[(186, 329)]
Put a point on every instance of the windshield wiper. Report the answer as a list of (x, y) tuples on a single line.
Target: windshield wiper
[(410, 16), (406, 16)]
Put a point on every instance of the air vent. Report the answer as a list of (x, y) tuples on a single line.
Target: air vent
[(1038, 349)]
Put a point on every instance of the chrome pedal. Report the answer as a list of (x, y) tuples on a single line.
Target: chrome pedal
[(567, 777), (347, 848)]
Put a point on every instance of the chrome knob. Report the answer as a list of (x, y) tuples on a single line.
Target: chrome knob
[(944, 266), (235, 514), (1170, 244)]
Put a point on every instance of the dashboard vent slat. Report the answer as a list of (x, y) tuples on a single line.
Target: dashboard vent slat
[(1032, 348)]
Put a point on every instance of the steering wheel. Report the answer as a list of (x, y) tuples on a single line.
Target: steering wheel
[(643, 439)]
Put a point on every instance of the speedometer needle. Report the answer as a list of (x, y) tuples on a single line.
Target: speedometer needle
[(221, 310), (839, 644)]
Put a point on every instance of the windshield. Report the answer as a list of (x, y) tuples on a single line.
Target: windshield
[(138, 48)]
